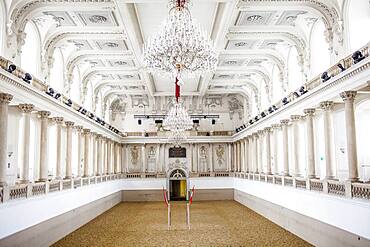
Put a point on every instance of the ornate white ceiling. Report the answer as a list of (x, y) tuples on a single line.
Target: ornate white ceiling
[(104, 40)]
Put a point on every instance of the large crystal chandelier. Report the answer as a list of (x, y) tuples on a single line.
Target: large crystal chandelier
[(180, 48)]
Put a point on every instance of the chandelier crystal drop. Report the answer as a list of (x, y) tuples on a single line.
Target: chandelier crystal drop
[(177, 119), (180, 47)]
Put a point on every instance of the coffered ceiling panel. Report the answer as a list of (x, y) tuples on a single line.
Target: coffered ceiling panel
[(240, 44), (248, 18), (97, 18), (111, 45)]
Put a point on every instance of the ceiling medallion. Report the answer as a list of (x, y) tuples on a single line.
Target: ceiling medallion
[(240, 44), (120, 63), (98, 19), (254, 18), (180, 48), (111, 44)]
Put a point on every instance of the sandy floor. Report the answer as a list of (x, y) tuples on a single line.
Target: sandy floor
[(217, 223)]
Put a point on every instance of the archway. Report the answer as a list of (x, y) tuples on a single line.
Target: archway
[(177, 184)]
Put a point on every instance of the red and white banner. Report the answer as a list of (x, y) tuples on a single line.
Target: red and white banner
[(165, 197), (192, 195)]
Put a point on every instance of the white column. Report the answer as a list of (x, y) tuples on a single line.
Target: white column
[(296, 144), (327, 107), (99, 155), (69, 126), (127, 156), (255, 149), (229, 156), (211, 167), (123, 158), (311, 173), (109, 156), (44, 115), (143, 157), (80, 151), (59, 122), (238, 157), (242, 155), (268, 149), (260, 150), (284, 125), (276, 128), (349, 112), (251, 154), (246, 154), (24, 172), (86, 152), (94, 153), (4, 105)]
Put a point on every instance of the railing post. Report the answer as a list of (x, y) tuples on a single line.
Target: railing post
[(325, 186), (47, 184), (348, 189), (29, 190), (6, 193)]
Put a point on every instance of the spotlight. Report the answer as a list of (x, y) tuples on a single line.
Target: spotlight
[(357, 57), (139, 122), (271, 110), (11, 68), (158, 121), (263, 114), (50, 92), (213, 121), (274, 107), (147, 116), (296, 94), (285, 101), (251, 121), (196, 121), (146, 134), (256, 118), (325, 77), (303, 90), (69, 102), (27, 78), (208, 134), (57, 96)]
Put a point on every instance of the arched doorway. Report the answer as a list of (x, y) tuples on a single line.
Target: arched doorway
[(177, 184)]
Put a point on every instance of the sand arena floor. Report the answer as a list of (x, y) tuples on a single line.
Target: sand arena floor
[(216, 223)]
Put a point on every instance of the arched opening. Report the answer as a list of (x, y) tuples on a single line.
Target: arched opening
[(2, 27), (56, 72), (30, 55), (320, 55), (294, 70), (362, 134), (358, 19), (177, 183)]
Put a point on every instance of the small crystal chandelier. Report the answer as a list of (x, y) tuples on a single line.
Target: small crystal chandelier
[(180, 48), (177, 119)]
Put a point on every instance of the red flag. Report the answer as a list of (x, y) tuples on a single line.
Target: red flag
[(165, 196), (191, 195), (177, 89)]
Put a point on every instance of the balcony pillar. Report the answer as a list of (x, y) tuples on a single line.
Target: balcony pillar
[(296, 144), (26, 112), (309, 113), (276, 128), (86, 133), (327, 107), (349, 111), (80, 150), (99, 153), (284, 126), (4, 105), (59, 122), (44, 115), (260, 137), (268, 149), (69, 126)]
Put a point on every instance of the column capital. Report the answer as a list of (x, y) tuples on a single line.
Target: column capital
[(58, 120), (260, 132), (284, 122), (87, 131), (98, 136), (79, 128), (69, 124), (309, 111), (5, 98), (44, 114), (267, 129), (295, 118), (26, 108), (327, 105), (348, 96), (276, 126)]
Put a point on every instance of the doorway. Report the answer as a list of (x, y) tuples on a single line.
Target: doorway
[(178, 190)]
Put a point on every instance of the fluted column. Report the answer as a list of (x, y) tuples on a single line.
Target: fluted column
[(59, 122), (311, 173), (79, 130), (255, 151), (104, 156), (246, 157), (327, 107), (234, 158), (229, 156), (260, 150), (284, 125), (86, 152), (99, 155), (4, 105), (94, 153), (69, 126), (276, 128), (143, 157), (296, 144), (349, 112), (109, 157), (242, 156), (44, 115), (268, 150), (26, 112)]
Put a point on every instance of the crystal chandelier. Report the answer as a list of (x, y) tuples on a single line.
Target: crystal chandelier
[(177, 120), (177, 137), (180, 48)]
